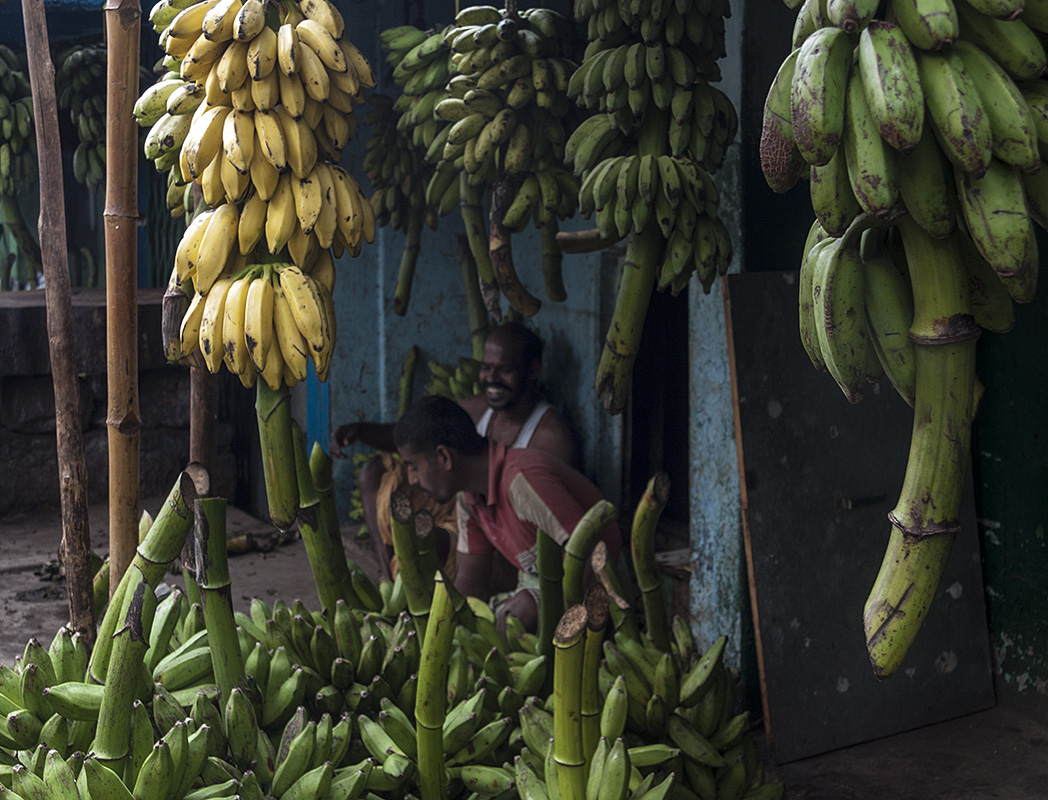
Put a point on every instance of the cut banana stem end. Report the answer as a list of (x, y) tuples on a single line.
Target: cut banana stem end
[(925, 521), (570, 642), (552, 263)]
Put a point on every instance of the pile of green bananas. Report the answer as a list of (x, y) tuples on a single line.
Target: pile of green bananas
[(919, 126), (17, 134), (328, 704), (80, 75), (457, 381), (646, 156)]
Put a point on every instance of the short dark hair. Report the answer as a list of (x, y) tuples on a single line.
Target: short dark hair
[(530, 343), (434, 421)]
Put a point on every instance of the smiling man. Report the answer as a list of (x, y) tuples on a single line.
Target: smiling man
[(509, 411), (505, 497)]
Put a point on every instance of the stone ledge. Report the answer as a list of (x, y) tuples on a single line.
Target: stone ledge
[(23, 332)]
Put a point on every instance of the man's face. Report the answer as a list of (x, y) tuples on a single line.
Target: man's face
[(429, 472), (504, 377)]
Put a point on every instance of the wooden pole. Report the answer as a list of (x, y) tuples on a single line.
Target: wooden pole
[(72, 468), (123, 26)]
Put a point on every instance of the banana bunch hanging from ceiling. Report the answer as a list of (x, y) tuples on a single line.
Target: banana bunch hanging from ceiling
[(918, 124), (645, 158)]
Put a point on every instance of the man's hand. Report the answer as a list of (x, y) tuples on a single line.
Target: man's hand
[(344, 436), (523, 606)]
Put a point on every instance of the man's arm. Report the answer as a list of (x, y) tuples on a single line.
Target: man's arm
[(378, 435), (553, 436), (473, 575)]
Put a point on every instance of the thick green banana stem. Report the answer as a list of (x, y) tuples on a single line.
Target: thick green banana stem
[(549, 559), (406, 385), (591, 703), (278, 453), (431, 694), (27, 245), (579, 548), (642, 544), (478, 314), (477, 234), (124, 674), (627, 322), (501, 251), (408, 260), (409, 565), (212, 570), (570, 642), (328, 578), (158, 550), (925, 521), (552, 263), (327, 517)]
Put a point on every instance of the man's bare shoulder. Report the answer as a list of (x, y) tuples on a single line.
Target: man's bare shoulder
[(475, 406), (556, 437)]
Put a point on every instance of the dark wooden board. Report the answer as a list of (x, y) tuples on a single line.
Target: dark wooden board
[(821, 476)]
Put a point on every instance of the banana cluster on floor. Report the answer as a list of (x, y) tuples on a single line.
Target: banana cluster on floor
[(919, 126), (254, 110), (327, 704), (17, 134)]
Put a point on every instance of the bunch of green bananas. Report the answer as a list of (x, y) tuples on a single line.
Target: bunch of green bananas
[(457, 381), (17, 134), (79, 74), (646, 156), (919, 125)]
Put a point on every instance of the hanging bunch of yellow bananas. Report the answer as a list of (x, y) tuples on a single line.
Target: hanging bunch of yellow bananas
[(926, 116), (17, 135), (255, 108), (645, 158)]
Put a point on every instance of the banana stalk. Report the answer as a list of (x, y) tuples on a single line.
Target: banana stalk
[(501, 251), (327, 520), (591, 703), (568, 664), (409, 566), (550, 564), (476, 234), (552, 263), (317, 543), (588, 241), (408, 260), (278, 452), (427, 552), (124, 674), (212, 568), (431, 694), (925, 520), (622, 344), (405, 387), (160, 547), (642, 544), (27, 245), (579, 548), (478, 314), (100, 588)]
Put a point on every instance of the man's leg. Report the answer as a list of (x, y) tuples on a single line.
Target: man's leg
[(371, 474)]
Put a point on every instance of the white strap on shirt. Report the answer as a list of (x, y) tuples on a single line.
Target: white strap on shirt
[(527, 430)]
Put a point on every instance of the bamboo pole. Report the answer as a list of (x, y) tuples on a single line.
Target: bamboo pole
[(72, 468), (123, 26)]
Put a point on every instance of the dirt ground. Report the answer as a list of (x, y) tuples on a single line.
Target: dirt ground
[(994, 754)]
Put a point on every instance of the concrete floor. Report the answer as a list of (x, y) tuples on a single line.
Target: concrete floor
[(1000, 753)]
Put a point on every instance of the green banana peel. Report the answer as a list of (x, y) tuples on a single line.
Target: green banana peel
[(925, 521)]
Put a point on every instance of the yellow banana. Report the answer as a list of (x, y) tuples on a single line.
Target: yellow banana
[(204, 138), (287, 50), (264, 175), (306, 306), (270, 138), (238, 140), (325, 13), (262, 53), (234, 182), (189, 246), (314, 35), (232, 67), (308, 201), (200, 59), (250, 21), (292, 93), (265, 92), (234, 346), (327, 221), (273, 373), (216, 245), (280, 215), (189, 330), (187, 24), (252, 224), (293, 347), (217, 23), (314, 74), (210, 333), (301, 246), (300, 143)]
